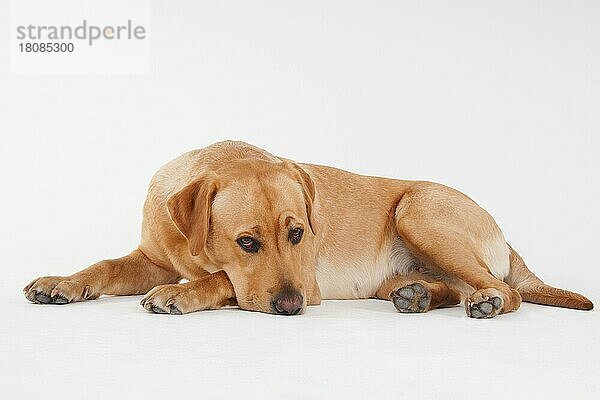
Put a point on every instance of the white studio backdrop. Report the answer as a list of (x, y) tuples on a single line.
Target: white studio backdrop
[(497, 99)]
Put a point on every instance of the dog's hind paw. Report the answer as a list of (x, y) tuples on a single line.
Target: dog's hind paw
[(412, 298), (484, 304)]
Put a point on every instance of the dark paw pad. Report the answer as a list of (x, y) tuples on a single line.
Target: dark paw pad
[(413, 298), (157, 310), (169, 309), (43, 298), (175, 311), (485, 309), (58, 299)]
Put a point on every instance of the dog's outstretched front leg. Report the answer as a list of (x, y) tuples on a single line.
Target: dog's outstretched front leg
[(209, 293), (132, 274)]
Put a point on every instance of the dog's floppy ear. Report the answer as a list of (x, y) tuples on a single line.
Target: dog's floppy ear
[(308, 189), (190, 210)]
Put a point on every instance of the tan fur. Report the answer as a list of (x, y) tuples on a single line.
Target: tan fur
[(363, 237)]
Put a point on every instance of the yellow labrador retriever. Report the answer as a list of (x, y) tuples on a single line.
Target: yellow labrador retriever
[(261, 232)]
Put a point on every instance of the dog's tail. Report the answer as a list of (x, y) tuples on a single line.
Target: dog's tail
[(533, 290)]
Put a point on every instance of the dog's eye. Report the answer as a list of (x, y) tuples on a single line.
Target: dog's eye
[(295, 235), (248, 244)]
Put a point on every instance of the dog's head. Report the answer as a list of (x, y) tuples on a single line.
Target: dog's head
[(255, 220)]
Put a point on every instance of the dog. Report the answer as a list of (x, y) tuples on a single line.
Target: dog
[(249, 229)]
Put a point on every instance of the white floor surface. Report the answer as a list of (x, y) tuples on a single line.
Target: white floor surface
[(112, 348)]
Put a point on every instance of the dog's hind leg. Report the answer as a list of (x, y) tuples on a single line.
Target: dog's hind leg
[(416, 293), (132, 274), (445, 228)]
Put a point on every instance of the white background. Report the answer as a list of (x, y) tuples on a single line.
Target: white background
[(497, 99)]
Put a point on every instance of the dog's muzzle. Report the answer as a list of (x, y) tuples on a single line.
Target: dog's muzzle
[(287, 303)]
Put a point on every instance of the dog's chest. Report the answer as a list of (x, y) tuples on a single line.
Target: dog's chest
[(342, 277)]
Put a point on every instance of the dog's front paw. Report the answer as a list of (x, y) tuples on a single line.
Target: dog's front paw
[(167, 299), (57, 290)]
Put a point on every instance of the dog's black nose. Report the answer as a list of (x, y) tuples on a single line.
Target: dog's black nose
[(287, 303)]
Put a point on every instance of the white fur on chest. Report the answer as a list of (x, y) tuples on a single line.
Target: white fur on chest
[(360, 279)]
